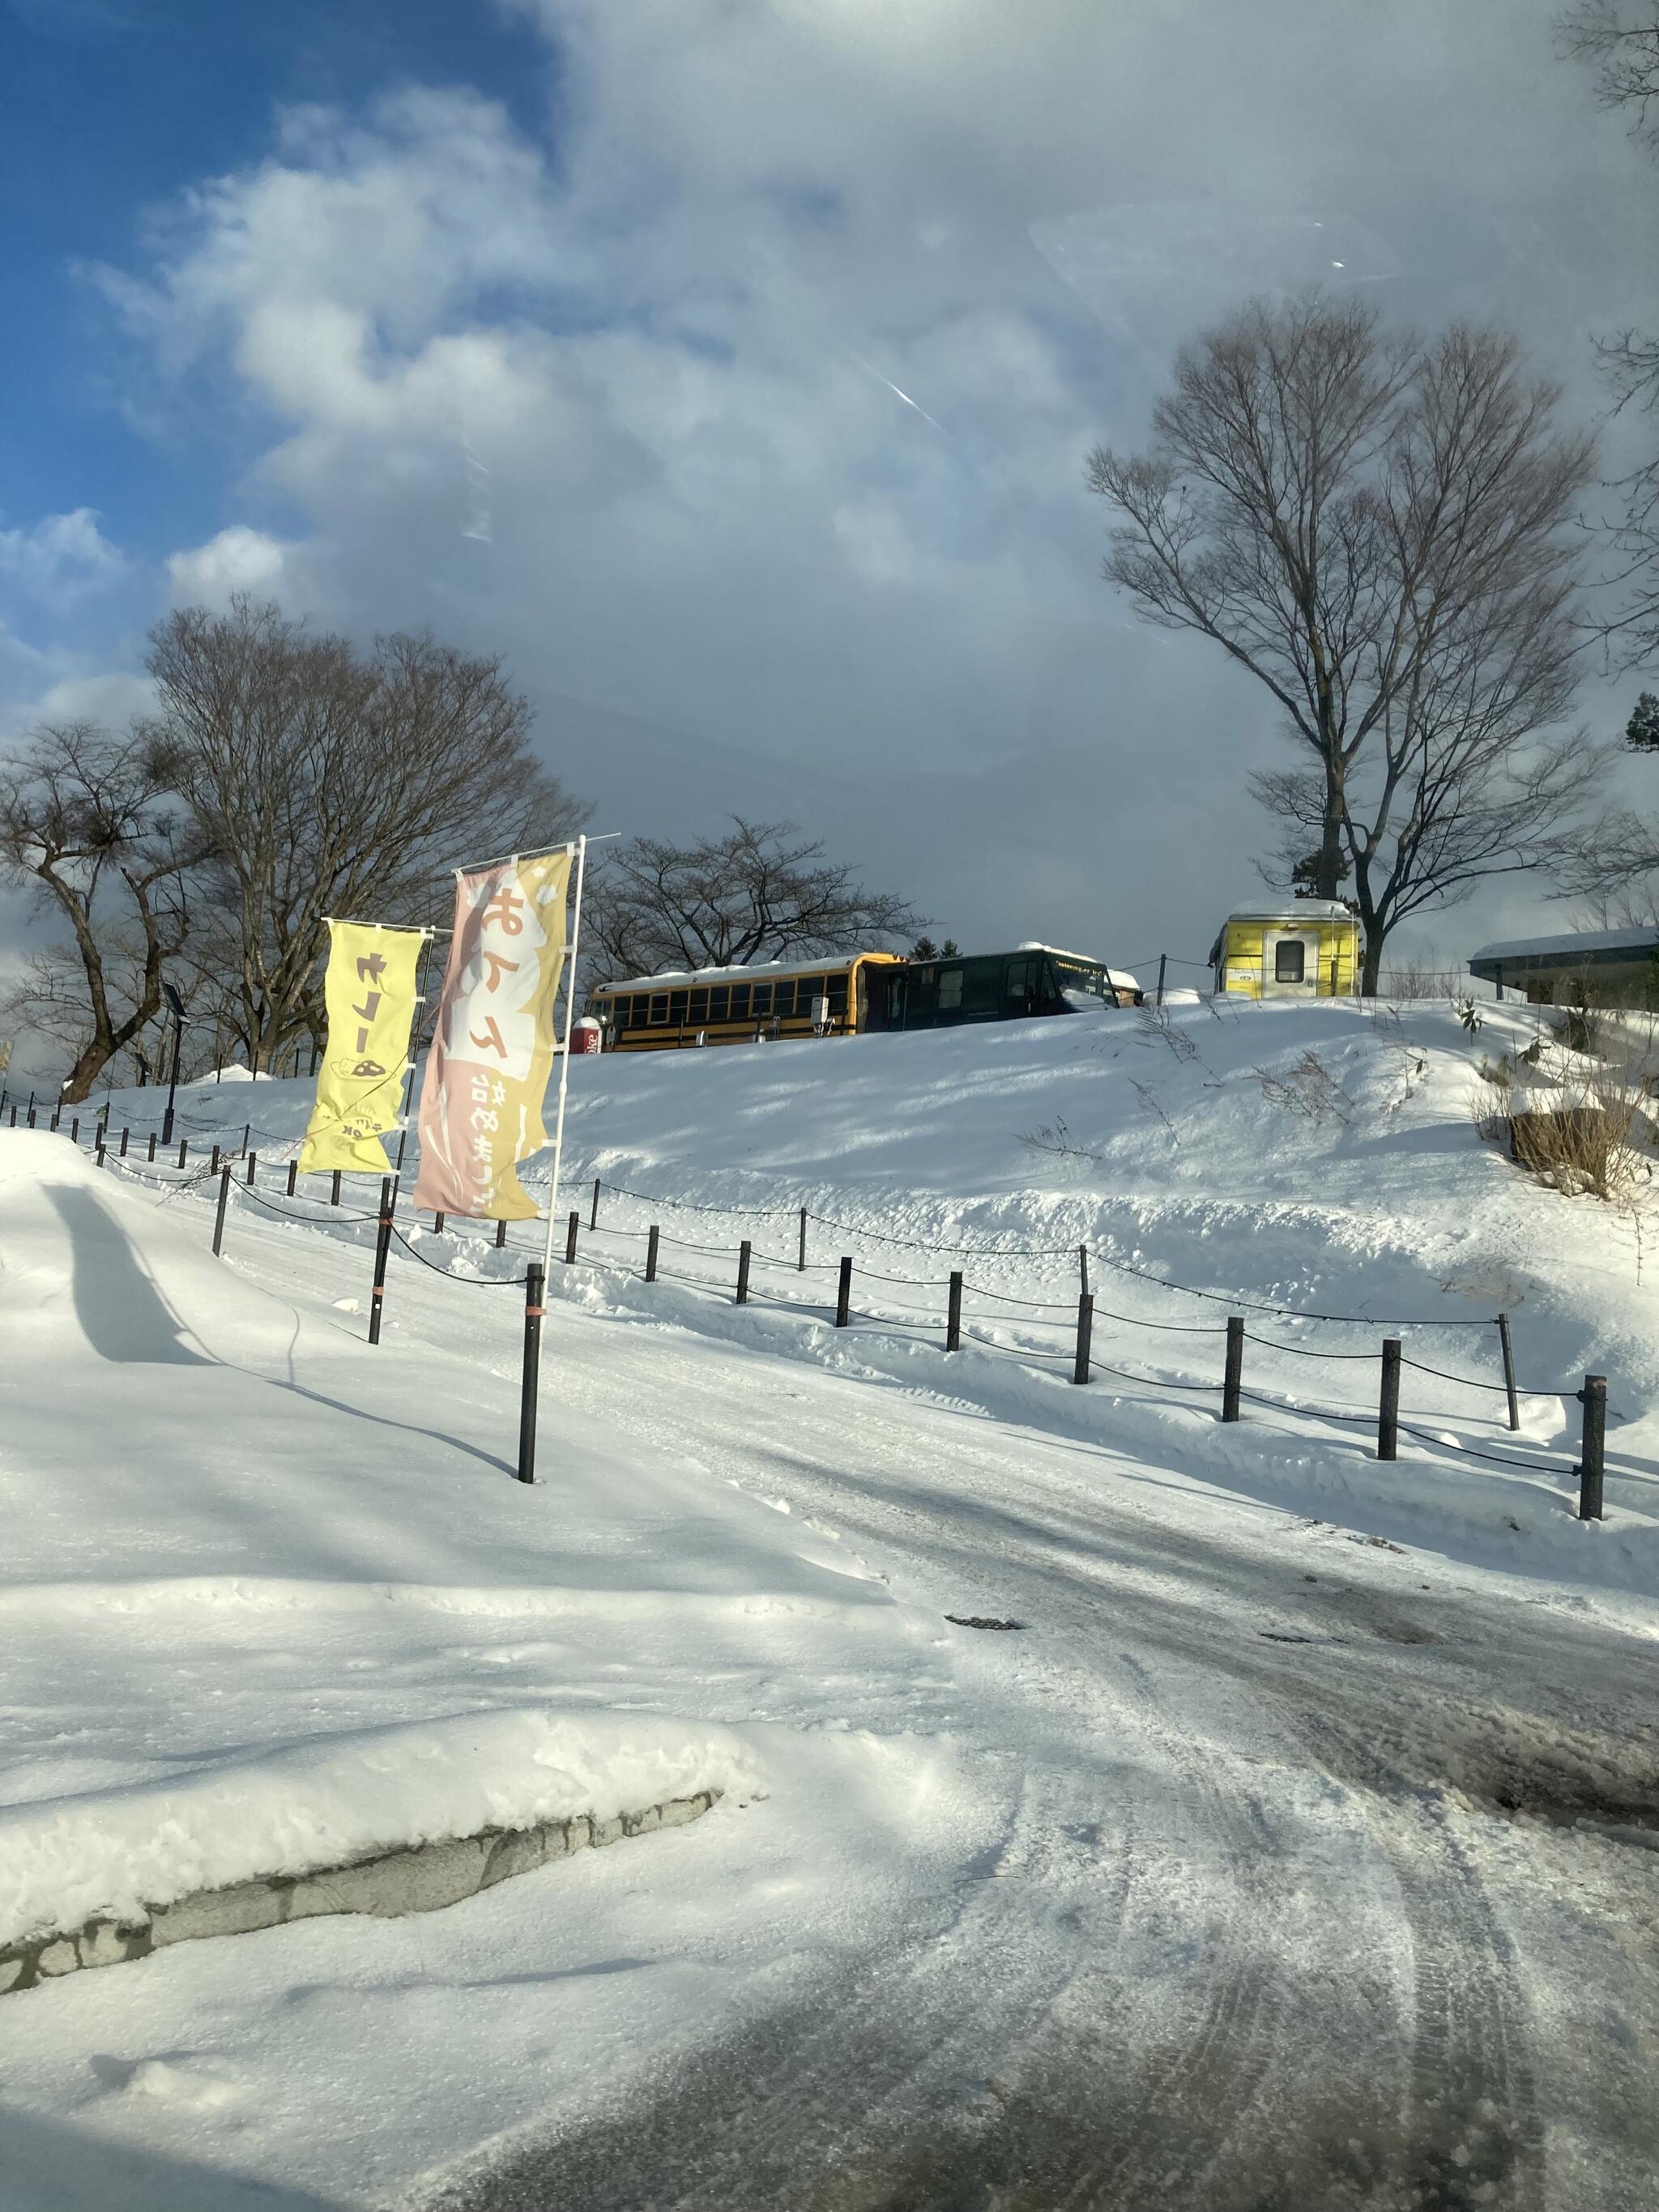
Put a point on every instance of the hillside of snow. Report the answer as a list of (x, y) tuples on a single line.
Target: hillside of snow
[(1290, 1162)]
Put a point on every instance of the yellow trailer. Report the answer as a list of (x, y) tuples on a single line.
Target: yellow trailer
[(1304, 949)]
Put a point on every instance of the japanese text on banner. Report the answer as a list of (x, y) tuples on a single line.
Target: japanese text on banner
[(368, 992), (492, 1048)]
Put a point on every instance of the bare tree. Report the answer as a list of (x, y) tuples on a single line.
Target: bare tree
[(757, 893), (1378, 529), (1620, 44), (93, 821), (333, 782)]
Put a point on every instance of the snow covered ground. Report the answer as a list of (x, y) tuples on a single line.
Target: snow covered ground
[(1264, 1863)]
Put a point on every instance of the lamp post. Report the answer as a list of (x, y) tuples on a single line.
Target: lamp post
[(179, 1017)]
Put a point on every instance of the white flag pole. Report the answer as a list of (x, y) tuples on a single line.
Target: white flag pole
[(564, 1063)]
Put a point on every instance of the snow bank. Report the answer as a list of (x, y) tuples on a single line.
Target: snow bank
[(324, 1802)]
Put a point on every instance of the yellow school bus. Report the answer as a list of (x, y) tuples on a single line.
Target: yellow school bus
[(744, 1006)]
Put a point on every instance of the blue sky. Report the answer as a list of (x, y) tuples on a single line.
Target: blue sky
[(109, 110), (729, 366)]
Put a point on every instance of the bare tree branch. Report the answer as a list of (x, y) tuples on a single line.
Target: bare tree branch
[(757, 893)]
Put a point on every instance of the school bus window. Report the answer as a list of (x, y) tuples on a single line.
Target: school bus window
[(740, 1002), (677, 1006), (699, 1013), (718, 999), (760, 999), (783, 998), (838, 998), (659, 1007)]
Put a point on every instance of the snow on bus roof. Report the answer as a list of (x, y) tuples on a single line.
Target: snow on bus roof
[(753, 971)]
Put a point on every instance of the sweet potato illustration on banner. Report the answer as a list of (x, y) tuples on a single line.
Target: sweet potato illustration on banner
[(492, 1048), (368, 990)]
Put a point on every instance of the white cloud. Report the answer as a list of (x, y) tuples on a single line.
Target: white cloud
[(58, 559), (241, 559), (772, 370)]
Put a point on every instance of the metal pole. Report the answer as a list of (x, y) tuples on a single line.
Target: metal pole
[(382, 1250), (213, 1161), (1509, 1368), (172, 1085), (1234, 1374), (651, 1254), (126, 1133), (594, 1217), (334, 1189), (535, 1280), (570, 1229), (744, 1250), (293, 1175), (501, 1234), (844, 1295), (1162, 960), (800, 1263), (1387, 1411), (1594, 1400), (437, 1220), (184, 1150), (152, 1144), (219, 1211), (252, 1168), (74, 1130), (953, 1318), (1082, 1268), (564, 1059)]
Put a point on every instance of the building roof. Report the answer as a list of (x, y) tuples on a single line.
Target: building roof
[(1306, 909), (1583, 948)]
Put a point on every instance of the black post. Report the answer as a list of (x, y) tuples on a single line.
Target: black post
[(501, 1235), (126, 1133), (219, 1211), (152, 1144), (1594, 1400), (334, 1191), (1086, 1329), (99, 1153), (1083, 1269), (252, 1168), (184, 1149), (74, 1130), (14, 1113), (742, 1273), (1163, 961), (213, 1162), (651, 1254), (801, 1263), (382, 1252), (593, 1218), (247, 1134), (1509, 1368), (844, 1295), (53, 1125), (437, 1220), (172, 1085), (953, 1317), (570, 1229), (1387, 1411), (534, 1282), (1234, 1374), (293, 1175)]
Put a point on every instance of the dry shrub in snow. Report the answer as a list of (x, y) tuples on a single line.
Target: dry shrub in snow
[(1307, 1088)]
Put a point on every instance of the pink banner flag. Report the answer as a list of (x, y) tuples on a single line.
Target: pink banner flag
[(492, 1047)]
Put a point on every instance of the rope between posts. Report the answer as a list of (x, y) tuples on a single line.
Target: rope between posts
[(286, 1213), (473, 1282), (1469, 1381)]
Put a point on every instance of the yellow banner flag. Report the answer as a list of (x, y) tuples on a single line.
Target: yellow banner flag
[(369, 992), (492, 1043)]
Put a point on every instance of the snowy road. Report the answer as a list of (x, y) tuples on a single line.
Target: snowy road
[(1258, 1933), (1275, 1898)]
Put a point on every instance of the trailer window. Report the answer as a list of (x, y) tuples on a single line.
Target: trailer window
[(950, 989), (1289, 956)]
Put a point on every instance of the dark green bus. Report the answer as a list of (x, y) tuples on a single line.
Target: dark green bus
[(993, 987)]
